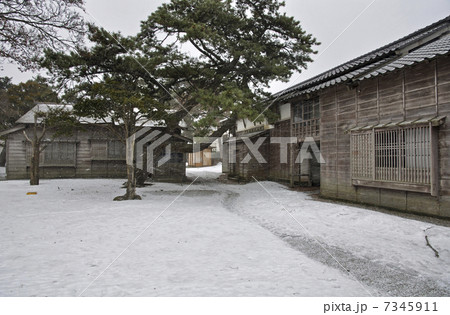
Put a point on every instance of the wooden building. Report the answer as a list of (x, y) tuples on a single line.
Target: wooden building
[(92, 151), (278, 164), (380, 121), (200, 158), (235, 162), (207, 157)]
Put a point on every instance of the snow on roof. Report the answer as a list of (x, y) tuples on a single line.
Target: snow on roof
[(14, 129), (28, 118)]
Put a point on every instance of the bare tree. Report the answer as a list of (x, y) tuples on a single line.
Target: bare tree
[(28, 27)]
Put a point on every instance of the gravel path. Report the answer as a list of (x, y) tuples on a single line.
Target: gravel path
[(387, 279)]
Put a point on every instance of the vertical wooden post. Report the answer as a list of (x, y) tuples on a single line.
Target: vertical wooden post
[(351, 157), (378, 99), (434, 165), (336, 150), (403, 95), (436, 95), (357, 105), (291, 151), (373, 155)]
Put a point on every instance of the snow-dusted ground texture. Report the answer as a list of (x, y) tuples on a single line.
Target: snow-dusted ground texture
[(209, 239)]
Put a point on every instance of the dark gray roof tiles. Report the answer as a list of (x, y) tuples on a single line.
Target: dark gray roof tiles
[(387, 58), (429, 51)]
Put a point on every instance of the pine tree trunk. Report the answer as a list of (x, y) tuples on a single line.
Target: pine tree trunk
[(34, 165), (131, 183), (131, 176)]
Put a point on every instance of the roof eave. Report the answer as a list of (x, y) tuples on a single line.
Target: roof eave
[(12, 130)]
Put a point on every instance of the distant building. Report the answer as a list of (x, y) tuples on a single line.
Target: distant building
[(234, 163), (91, 152), (207, 157), (380, 121)]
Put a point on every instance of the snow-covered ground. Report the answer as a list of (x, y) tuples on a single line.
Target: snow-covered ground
[(208, 239)]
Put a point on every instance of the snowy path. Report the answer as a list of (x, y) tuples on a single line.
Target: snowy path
[(215, 240), (387, 253)]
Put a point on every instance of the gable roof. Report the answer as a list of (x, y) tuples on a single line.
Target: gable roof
[(28, 118), (426, 43), (12, 130)]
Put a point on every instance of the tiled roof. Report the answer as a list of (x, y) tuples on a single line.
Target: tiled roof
[(425, 43), (429, 51)]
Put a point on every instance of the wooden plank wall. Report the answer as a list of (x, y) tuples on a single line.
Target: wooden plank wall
[(253, 168), (86, 166), (170, 171), (16, 164), (246, 171), (279, 171), (201, 158), (443, 101), (225, 157), (414, 92)]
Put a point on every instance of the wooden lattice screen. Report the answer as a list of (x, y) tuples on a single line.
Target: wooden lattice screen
[(57, 153), (392, 155), (306, 122)]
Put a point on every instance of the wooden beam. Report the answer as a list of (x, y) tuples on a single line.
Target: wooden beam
[(392, 185), (434, 176)]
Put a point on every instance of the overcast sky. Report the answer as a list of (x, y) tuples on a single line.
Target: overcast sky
[(330, 21)]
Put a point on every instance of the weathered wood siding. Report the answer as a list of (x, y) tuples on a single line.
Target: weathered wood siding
[(225, 157), (279, 171), (253, 168), (16, 163), (174, 170), (419, 91), (275, 169), (86, 165), (200, 158)]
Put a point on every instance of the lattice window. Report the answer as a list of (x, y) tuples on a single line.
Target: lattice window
[(98, 149), (107, 149), (116, 150), (306, 118), (362, 155), (392, 155), (60, 154)]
